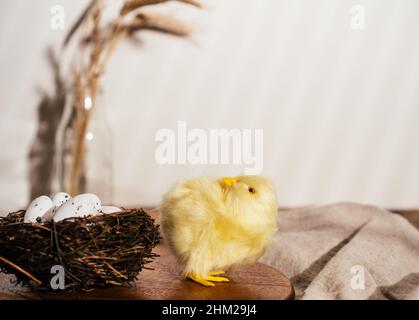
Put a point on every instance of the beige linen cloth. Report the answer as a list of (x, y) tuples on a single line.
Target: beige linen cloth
[(347, 251)]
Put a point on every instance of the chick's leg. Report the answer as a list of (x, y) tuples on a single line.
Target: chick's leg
[(208, 280), (200, 280), (214, 276), (217, 279)]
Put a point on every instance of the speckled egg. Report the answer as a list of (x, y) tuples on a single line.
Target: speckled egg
[(39, 210)]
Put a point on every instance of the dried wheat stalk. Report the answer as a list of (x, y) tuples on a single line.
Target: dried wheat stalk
[(80, 20), (100, 41), (159, 22), (132, 5)]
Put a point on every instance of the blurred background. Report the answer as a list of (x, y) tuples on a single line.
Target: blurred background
[(339, 106)]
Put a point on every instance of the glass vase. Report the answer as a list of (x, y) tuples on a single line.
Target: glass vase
[(96, 171)]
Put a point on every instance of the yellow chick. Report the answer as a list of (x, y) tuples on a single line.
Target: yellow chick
[(213, 224)]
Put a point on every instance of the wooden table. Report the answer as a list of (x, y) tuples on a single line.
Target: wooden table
[(410, 215), (257, 281)]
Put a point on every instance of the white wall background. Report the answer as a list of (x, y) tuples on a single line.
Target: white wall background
[(339, 107)]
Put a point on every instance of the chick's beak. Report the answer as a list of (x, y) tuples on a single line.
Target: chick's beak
[(229, 181)]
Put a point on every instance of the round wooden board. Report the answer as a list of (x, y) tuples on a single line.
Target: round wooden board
[(165, 282)]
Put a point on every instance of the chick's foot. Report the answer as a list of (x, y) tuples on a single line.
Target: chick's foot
[(217, 279), (208, 280)]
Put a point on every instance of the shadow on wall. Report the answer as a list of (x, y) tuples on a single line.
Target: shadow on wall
[(41, 155)]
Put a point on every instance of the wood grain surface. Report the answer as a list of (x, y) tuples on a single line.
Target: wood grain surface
[(257, 281)]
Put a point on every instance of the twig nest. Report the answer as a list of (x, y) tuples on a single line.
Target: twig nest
[(99, 251)]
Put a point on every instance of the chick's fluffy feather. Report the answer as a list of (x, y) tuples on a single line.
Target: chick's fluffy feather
[(211, 226)]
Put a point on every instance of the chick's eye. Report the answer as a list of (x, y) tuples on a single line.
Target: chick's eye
[(252, 190)]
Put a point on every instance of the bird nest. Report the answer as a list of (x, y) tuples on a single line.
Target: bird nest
[(93, 252)]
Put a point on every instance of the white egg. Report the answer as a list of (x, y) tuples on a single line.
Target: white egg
[(109, 209), (89, 199), (72, 210), (82, 205), (59, 199), (39, 210)]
